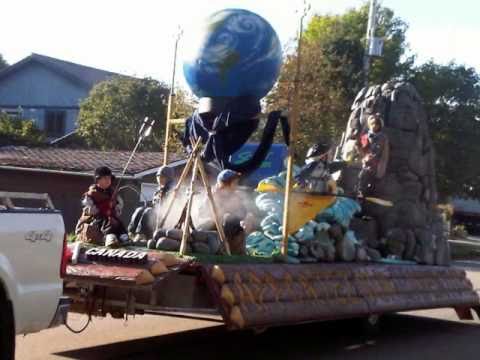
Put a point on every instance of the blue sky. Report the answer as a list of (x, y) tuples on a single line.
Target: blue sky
[(136, 37)]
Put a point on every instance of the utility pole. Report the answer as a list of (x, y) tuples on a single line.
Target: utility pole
[(371, 27), (170, 98)]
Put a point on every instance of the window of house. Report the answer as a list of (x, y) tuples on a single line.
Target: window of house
[(13, 113), (55, 123)]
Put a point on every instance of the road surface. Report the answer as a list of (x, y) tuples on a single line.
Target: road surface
[(432, 334)]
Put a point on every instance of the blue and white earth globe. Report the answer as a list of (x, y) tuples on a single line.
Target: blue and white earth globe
[(234, 53)]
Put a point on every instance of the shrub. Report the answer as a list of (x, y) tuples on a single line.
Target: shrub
[(19, 132)]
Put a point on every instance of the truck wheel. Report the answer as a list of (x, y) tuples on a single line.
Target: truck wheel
[(7, 331)]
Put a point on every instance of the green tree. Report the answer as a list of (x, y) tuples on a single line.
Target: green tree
[(19, 132), (343, 39), (322, 100), (451, 94), (332, 69), (183, 106), (112, 114), (332, 74)]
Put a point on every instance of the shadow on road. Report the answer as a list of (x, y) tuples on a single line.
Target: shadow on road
[(401, 337)]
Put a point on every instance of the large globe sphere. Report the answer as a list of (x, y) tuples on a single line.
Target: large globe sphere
[(235, 53)]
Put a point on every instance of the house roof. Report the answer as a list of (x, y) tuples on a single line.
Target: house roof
[(77, 161), (80, 74)]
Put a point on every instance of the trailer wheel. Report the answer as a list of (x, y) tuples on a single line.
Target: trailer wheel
[(7, 330), (370, 324), (259, 330)]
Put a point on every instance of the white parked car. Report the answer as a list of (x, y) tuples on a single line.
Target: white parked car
[(32, 258)]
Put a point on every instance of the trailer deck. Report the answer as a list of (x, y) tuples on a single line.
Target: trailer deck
[(258, 295)]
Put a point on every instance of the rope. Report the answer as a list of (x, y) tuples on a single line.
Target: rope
[(82, 329)]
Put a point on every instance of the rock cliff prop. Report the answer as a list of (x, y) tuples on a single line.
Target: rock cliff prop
[(412, 229)]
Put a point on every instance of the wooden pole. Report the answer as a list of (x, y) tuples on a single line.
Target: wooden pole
[(213, 207), (186, 224), (186, 170), (170, 101), (167, 129), (293, 137)]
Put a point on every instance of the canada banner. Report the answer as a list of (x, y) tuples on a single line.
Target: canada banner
[(116, 255)]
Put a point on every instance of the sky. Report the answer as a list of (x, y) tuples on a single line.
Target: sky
[(137, 37)]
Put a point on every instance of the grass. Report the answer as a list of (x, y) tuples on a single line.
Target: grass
[(216, 259), (205, 258), (71, 238), (464, 250), (201, 258), (230, 259)]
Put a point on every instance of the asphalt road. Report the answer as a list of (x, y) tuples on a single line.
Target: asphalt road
[(432, 334)]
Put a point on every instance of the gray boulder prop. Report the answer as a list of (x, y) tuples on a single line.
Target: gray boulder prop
[(201, 242), (412, 228), (167, 244), (200, 248)]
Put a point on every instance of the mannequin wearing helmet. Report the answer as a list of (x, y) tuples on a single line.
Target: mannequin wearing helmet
[(315, 176), (235, 211), (142, 222), (165, 183)]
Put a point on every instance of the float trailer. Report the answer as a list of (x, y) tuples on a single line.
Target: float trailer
[(245, 294)]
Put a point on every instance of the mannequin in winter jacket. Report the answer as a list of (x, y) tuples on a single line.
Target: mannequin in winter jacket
[(100, 222), (373, 147)]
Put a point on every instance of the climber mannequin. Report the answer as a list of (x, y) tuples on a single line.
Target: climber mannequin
[(374, 149), (315, 176)]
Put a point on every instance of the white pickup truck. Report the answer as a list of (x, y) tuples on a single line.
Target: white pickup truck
[(32, 258)]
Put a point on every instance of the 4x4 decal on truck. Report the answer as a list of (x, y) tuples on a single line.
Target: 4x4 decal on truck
[(34, 236)]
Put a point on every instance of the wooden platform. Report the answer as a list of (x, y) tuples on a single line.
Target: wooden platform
[(273, 294), (257, 295)]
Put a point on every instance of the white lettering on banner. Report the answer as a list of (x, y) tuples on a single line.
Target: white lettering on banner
[(141, 256), (92, 251), (119, 254), (130, 255), (110, 253)]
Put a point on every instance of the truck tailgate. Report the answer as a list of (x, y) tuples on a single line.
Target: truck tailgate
[(30, 256)]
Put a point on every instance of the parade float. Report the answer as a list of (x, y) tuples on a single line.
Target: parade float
[(311, 258)]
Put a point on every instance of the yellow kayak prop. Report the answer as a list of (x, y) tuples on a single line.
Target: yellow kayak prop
[(266, 187), (303, 206)]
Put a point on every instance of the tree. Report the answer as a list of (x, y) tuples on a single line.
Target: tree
[(111, 116), (451, 94), (332, 74), (343, 39), (19, 132), (3, 62), (322, 100), (332, 70)]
